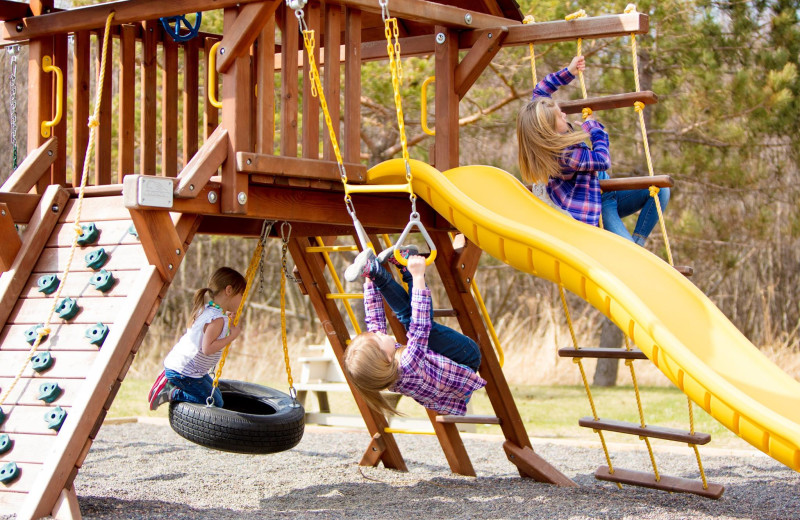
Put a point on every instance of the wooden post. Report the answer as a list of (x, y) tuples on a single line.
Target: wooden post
[(446, 100), (265, 112), (103, 132), (9, 238), (236, 114), (127, 101), (147, 164), (80, 104), (310, 143), (169, 108), (210, 112), (289, 46), (352, 86), (40, 98), (191, 89), (333, 40), (61, 60)]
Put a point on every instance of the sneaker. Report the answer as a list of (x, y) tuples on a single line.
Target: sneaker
[(157, 386), (162, 396), (360, 266), (405, 251)]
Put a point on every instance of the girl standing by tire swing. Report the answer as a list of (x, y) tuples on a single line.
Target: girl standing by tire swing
[(185, 376)]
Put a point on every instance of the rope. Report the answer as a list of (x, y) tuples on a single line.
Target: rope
[(93, 124), (574, 16), (256, 261), (530, 19)]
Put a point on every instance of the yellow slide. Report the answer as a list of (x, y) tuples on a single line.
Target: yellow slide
[(679, 329)]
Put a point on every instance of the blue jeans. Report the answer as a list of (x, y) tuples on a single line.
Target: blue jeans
[(442, 340), (620, 204), (193, 389)]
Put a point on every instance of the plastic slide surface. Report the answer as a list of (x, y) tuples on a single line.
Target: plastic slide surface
[(679, 329)]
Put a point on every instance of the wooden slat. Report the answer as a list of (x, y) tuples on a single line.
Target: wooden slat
[(26, 391), (36, 163), (27, 448), (666, 482), (243, 32), (333, 24), (636, 183), (191, 91), (124, 338), (93, 309), (29, 419), (604, 353), (210, 112), (311, 105), (445, 313), (63, 336), (42, 222), (655, 432), (289, 42), (236, 119), (77, 285), (478, 58), (40, 98), (169, 109), (54, 260), (61, 59), (575, 106), (127, 102), (147, 140), (265, 111), (96, 209), (203, 165), (352, 86), (468, 419), (81, 79), (102, 162), (112, 233), (299, 168), (10, 502), (9, 237), (27, 476)]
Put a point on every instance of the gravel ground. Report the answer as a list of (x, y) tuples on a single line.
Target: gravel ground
[(145, 470)]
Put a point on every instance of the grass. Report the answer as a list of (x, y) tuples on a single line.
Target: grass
[(547, 411)]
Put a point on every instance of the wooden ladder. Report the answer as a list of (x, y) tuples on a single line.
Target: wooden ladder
[(87, 374)]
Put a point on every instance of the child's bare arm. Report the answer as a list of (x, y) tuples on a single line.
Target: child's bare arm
[(212, 343), (416, 266), (578, 64)]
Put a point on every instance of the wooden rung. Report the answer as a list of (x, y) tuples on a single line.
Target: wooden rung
[(575, 106), (445, 313), (636, 183), (685, 270), (468, 419), (612, 353), (656, 432), (665, 483)]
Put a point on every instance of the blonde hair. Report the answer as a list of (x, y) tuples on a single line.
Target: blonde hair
[(540, 145), (370, 371), (219, 280)]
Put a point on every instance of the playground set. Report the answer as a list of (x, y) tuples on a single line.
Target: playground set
[(87, 259)]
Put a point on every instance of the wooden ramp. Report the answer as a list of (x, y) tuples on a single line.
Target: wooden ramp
[(88, 374)]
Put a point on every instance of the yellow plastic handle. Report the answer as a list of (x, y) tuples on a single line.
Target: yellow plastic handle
[(47, 66), (404, 261), (424, 105), (212, 77)]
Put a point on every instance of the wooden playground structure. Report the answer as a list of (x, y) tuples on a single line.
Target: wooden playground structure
[(226, 180)]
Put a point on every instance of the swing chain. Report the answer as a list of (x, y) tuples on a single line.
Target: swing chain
[(285, 236), (13, 51), (266, 229), (384, 9)]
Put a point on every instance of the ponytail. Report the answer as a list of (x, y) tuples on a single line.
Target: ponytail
[(198, 302)]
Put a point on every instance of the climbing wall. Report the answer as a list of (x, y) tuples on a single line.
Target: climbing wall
[(56, 407)]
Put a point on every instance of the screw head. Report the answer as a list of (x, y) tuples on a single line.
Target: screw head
[(242, 198), (169, 267), (191, 187), (440, 38), (55, 208), (489, 35), (212, 197), (249, 161), (178, 252), (50, 153), (222, 50), (468, 18), (20, 27), (3, 212)]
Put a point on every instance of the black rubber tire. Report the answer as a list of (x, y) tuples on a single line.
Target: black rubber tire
[(255, 419)]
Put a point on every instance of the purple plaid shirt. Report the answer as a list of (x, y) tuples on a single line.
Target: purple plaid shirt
[(434, 381), (578, 190)]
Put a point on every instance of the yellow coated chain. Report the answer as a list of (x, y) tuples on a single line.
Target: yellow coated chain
[(284, 275), (93, 125)]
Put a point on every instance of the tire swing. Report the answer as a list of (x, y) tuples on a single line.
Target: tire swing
[(254, 419)]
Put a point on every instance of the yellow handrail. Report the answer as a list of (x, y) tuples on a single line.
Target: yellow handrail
[(47, 66), (212, 77), (423, 106)]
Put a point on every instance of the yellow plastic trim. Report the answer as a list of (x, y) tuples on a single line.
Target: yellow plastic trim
[(407, 432), (344, 296), (47, 66), (423, 105), (404, 261), (212, 76), (330, 249)]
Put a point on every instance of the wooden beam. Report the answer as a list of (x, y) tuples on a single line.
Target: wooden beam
[(14, 10), (655, 432), (468, 419), (94, 16), (446, 101), (9, 237), (21, 205), (102, 136), (311, 104), (352, 86), (636, 183), (374, 451), (81, 78), (169, 108), (592, 27), (32, 168), (478, 58), (331, 84), (157, 234), (575, 106), (452, 445), (289, 42), (191, 93), (147, 155), (237, 39), (465, 263), (535, 466), (40, 98), (265, 83), (601, 353), (431, 13), (203, 165), (298, 168), (61, 59), (210, 112), (127, 102)]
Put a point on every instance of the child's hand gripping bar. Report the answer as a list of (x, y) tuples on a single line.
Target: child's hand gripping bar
[(412, 222)]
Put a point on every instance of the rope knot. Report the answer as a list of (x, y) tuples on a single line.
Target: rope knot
[(529, 19), (638, 106), (654, 191), (93, 122), (629, 362), (78, 229), (577, 14), (43, 331), (576, 360), (630, 8), (586, 112)]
